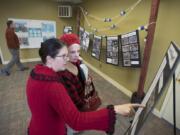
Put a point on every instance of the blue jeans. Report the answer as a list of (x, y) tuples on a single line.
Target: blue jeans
[(14, 60)]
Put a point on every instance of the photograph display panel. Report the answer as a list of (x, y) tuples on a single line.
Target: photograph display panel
[(96, 49), (81, 33), (32, 32), (130, 49), (112, 50), (85, 41), (157, 87)]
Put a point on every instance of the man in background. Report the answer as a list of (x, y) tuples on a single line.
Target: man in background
[(13, 46)]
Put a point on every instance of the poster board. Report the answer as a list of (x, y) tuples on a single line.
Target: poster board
[(96, 49), (85, 41), (130, 49), (165, 72), (81, 33), (32, 32), (112, 50)]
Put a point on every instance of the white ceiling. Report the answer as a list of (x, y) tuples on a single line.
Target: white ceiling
[(69, 1)]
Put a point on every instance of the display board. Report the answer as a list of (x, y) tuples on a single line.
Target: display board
[(164, 74), (81, 33), (112, 50), (85, 41), (32, 32), (96, 49), (130, 49)]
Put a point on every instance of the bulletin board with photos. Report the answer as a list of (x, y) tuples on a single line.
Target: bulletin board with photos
[(32, 32), (112, 50), (130, 48), (96, 49), (81, 33)]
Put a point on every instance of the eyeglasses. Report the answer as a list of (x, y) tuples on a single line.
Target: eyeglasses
[(65, 57)]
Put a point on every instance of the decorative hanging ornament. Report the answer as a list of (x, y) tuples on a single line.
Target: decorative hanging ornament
[(122, 13), (146, 27), (109, 19), (95, 30), (113, 26), (145, 39), (86, 13), (105, 20), (141, 28)]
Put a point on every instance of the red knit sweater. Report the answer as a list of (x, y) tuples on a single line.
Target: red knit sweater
[(51, 107)]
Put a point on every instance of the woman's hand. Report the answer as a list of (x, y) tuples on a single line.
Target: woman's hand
[(89, 80), (126, 109)]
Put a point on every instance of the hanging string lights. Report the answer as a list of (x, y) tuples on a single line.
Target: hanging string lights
[(123, 14)]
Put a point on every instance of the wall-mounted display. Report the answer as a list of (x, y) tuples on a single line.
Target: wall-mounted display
[(32, 32), (112, 50), (85, 41), (156, 89), (96, 50), (130, 49), (81, 33)]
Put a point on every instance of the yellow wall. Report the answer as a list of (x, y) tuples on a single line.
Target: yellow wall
[(128, 77), (30, 9), (167, 29)]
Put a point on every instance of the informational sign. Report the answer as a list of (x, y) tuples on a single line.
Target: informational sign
[(32, 32), (164, 74)]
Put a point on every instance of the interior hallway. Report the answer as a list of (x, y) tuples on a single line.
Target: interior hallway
[(14, 112)]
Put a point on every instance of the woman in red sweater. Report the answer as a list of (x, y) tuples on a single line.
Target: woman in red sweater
[(50, 105)]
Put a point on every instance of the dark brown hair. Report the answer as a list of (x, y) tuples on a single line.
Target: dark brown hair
[(9, 22), (50, 47)]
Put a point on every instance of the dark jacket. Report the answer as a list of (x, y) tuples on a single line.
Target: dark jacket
[(12, 39)]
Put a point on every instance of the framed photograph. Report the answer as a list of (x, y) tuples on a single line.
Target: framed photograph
[(23, 41), (133, 39), (134, 47), (130, 49), (112, 50), (81, 34), (125, 48), (125, 41), (67, 29), (96, 49), (134, 55), (85, 41), (127, 62), (126, 56), (172, 55), (156, 89)]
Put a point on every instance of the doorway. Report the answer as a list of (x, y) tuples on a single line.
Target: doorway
[(167, 108)]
